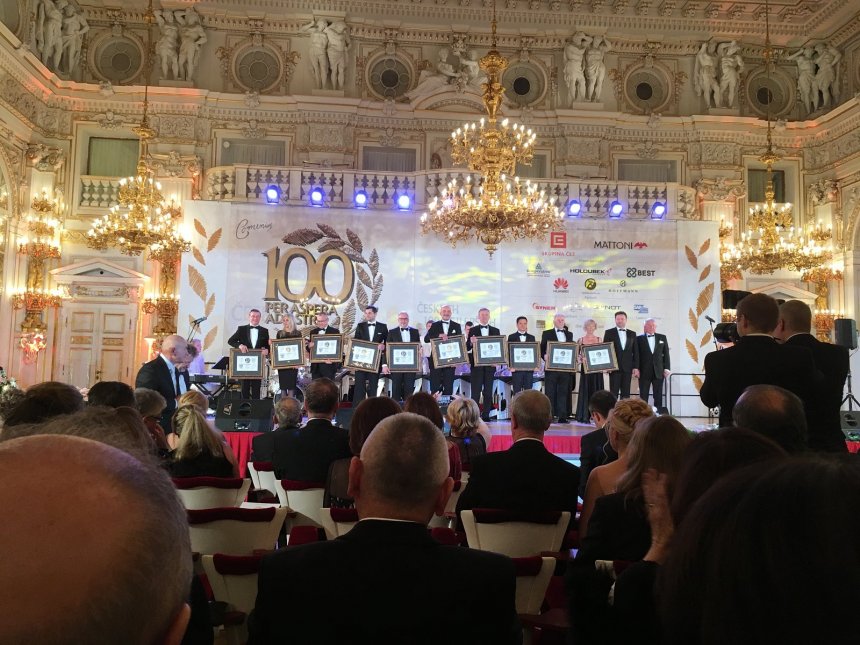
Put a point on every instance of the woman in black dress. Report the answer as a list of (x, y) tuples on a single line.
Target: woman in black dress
[(287, 377), (588, 383)]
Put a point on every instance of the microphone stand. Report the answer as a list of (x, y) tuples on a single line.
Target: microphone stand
[(193, 329)]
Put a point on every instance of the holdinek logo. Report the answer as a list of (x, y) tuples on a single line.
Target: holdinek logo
[(560, 285), (614, 244), (558, 239), (537, 271), (633, 272)]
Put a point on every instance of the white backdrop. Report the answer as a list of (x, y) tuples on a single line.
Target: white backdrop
[(667, 270)]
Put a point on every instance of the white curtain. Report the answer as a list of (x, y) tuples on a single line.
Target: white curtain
[(112, 157), (257, 153), (657, 171), (388, 159)]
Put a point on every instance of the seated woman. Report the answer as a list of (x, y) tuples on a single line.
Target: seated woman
[(468, 432), (427, 406), (151, 404), (199, 451), (199, 401), (603, 479)]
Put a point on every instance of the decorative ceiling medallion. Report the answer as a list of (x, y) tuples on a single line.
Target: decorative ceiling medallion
[(525, 84), (774, 94), (117, 59), (257, 68), (389, 77), (647, 89)]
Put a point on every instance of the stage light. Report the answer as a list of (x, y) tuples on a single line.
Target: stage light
[(317, 196), (273, 195), (615, 209), (658, 210), (360, 199), (404, 203), (574, 207)]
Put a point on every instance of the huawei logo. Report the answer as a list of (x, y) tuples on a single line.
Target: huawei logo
[(560, 283)]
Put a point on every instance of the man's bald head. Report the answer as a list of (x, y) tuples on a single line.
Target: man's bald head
[(175, 348), (104, 557)]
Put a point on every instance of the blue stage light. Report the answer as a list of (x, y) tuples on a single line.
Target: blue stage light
[(658, 210), (317, 196), (615, 209), (574, 207), (360, 199), (273, 195), (404, 202)]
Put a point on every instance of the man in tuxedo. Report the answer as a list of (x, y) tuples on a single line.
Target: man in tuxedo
[(251, 336), (287, 415), (482, 376), (757, 358), (329, 368), (652, 364), (162, 375), (442, 378), (624, 341), (304, 454), (383, 581), (403, 383), (367, 383), (594, 447), (823, 416), (557, 384), (526, 476), (521, 379)]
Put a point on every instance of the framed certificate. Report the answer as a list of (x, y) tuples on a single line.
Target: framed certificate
[(524, 356), (362, 355), (599, 357), (447, 353), (404, 357), (247, 365), (326, 347), (561, 357), (488, 350), (288, 352)]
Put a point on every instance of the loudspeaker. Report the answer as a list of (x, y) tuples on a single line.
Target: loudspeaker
[(731, 298), (851, 425), (243, 415), (846, 332)]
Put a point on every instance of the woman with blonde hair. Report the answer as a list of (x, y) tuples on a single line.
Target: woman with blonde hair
[(468, 432), (604, 479), (287, 377), (200, 452), (588, 383)]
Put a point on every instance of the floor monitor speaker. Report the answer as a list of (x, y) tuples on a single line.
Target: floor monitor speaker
[(846, 332), (243, 415)]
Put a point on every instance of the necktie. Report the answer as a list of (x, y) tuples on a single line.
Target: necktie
[(176, 378)]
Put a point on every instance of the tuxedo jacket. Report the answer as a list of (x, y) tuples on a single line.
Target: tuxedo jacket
[(515, 338), (628, 357), (757, 360), (436, 330), (304, 454), (526, 476), (242, 336), (380, 335), (384, 582), (394, 335), (824, 421), (316, 331), (549, 335), (476, 331), (155, 375), (652, 365)]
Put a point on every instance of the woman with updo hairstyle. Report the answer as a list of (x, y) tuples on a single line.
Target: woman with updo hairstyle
[(604, 479), (468, 432), (200, 452)]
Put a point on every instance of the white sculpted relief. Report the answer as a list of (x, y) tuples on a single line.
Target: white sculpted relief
[(464, 76), (817, 79), (58, 34), (178, 46), (328, 48), (717, 73), (595, 68), (585, 67)]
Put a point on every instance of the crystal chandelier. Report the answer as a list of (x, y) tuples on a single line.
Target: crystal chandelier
[(497, 207)]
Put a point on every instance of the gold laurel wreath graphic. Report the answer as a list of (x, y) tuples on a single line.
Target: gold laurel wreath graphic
[(703, 301), (198, 283)]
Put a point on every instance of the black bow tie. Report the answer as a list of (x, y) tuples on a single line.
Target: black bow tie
[(650, 335), (483, 326), (254, 327), (371, 324), (404, 329)]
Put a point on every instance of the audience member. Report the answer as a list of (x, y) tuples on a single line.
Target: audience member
[(824, 423), (9, 398), (44, 401), (200, 451), (197, 364), (594, 448), (775, 413), (770, 555), (130, 578), (468, 431), (163, 375), (287, 414), (385, 580), (526, 476), (427, 406), (195, 398), (151, 404), (604, 479), (112, 394), (304, 454)]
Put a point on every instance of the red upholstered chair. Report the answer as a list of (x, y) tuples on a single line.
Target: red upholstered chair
[(211, 492), (517, 534), (337, 521), (235, 531), (264, 472), (233, 580), (304, 498)]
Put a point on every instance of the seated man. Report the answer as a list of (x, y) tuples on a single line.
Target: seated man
[(774, 412), (304, 454), (594, 448), (526, 476), (387, 580), (287, 415)]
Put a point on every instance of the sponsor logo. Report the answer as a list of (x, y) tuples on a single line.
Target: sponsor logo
[(587, 271), (558, 239), (633, 272), (614, 244), (560, 285), (540, 307), (537, 271), (640, 309), (591, 284)]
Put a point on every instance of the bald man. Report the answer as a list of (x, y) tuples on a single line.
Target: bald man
[(104, 557), (161, 374), (387, 580)]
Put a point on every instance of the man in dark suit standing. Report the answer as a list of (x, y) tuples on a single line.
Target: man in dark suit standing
[(251, 336), (287, 415), (162, 375), (442, 378), (652, 364), (383, 581), (557, 384), (526, 476), (482, 376), (329, 368), (624, 341), (594, 447), (403, 383), (757, 359), (824, 422), (521, 379), (304, 454), (367, 383)]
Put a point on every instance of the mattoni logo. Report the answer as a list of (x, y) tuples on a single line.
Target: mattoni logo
[(614, 244), (558, 239), (560, 285)]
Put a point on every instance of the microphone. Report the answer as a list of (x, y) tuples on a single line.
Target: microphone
[(710, 320), (199, 320)]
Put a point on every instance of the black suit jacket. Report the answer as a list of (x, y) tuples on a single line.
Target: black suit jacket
[(476, 331), (155, 375), (594, 451), (628, 357), (526, 476), (825, 422), (305, 453), (549, 335), (317, 332), (436, 330), (515, 338), (396, 337), (242, 336), (384, 582), (380, 335), (752, 361), (652, 364), (263, 445)]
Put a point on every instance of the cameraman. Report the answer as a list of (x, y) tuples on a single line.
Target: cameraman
[(757, 359)]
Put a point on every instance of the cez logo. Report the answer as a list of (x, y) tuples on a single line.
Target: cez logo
[(560, 283), (558, 240)]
